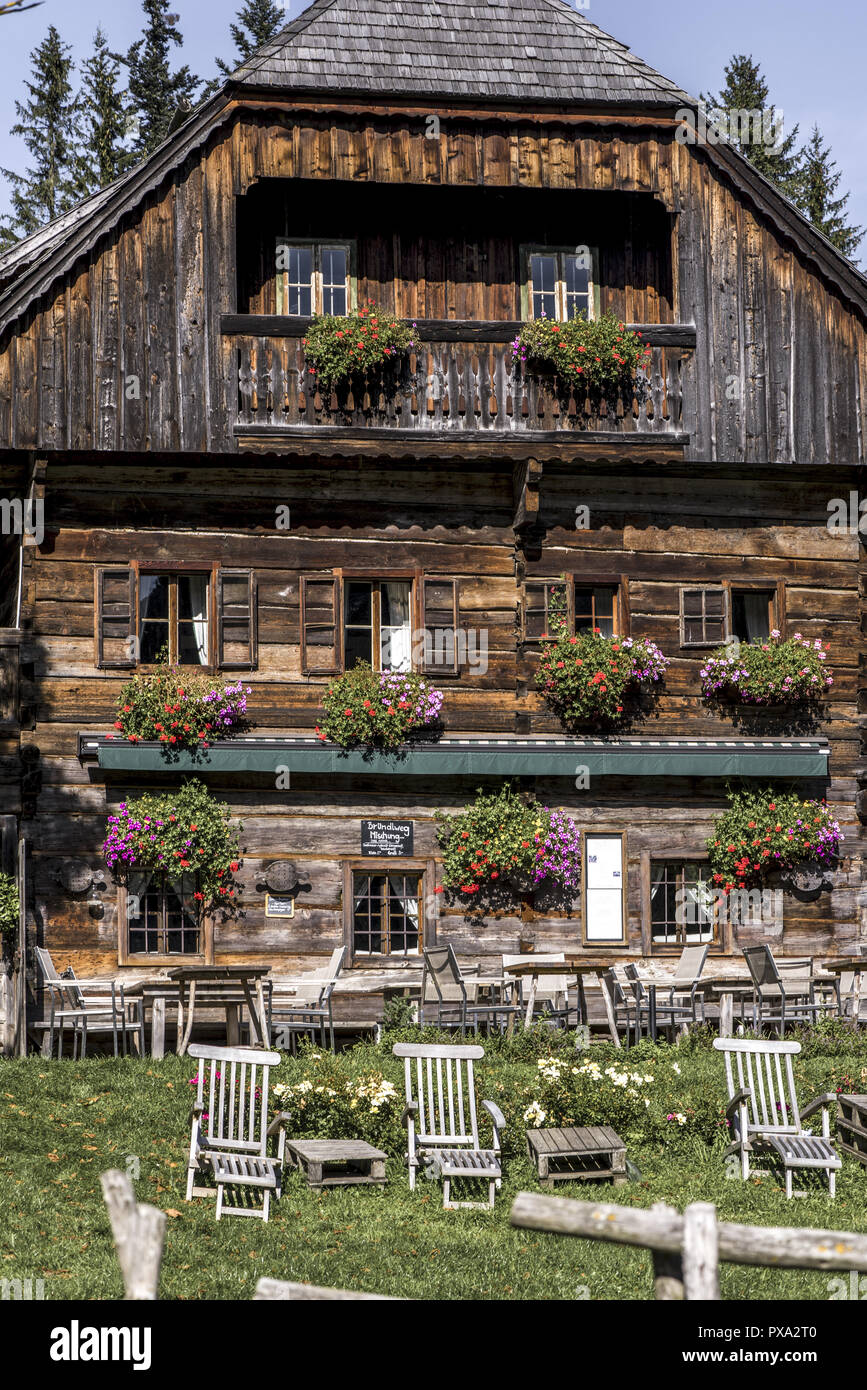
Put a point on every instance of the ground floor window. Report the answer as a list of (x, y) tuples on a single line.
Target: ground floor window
[(162, 917), (681, 902), (386, 914)]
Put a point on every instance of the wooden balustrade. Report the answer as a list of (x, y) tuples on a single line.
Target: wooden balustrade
[(448, 385)]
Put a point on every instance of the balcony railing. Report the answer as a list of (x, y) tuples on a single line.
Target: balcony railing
[(460, 377)]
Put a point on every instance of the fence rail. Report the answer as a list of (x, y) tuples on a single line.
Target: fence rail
[(688, 1248)]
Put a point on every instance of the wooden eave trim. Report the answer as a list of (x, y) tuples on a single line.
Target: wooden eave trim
[(567, 446), (349, 103)]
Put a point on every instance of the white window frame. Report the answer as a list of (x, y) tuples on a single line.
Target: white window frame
[(316, 276), (527, 252)]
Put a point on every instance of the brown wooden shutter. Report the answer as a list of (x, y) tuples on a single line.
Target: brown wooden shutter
[(236, 620), (439, 620), (115, 617), (320, 625)]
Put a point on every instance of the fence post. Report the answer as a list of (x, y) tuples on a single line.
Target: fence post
[(667, 1267), (139, 1232), (700, 1252)]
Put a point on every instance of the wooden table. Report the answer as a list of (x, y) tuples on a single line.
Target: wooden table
[(578, 966), (231, 976), (574, 1154), (178, 987), (857, 964), (727, 986), (338, 1162)]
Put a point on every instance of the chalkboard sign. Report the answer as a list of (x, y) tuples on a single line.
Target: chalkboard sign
[(279, 907), (386, 839)]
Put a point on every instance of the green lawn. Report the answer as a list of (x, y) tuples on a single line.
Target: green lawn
[(63, 1123)]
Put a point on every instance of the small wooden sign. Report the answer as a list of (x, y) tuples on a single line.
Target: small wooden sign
[(279, 907), (386, 839)]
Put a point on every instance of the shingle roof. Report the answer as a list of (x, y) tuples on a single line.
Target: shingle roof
[(488, 49)]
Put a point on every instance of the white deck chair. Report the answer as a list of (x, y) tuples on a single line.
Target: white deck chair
[(763, 1108)]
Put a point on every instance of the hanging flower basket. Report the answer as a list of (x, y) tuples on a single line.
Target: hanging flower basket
[(186, 831), (506, 840), (766, 830), (179, 709), (600, 357), (591, 679), (379, 709), (775, 672), (337, 349)]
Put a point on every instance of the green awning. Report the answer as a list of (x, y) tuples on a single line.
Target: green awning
[(455, 757)]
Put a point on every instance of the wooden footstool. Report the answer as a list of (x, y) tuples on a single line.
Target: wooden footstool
[(337, 1162), (852, 1126), (572, 1155)]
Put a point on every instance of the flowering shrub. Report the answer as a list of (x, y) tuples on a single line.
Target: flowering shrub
[(9, 909), (766, 673), (504, 837), (327, 1103), (185, 831), (764, 830), (337, 348), (601, 356), (379, 708), (643, 1103), (180, 710), (588, 677)]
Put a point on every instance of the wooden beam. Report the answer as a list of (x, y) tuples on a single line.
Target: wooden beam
[(675, 335), (526, 477)]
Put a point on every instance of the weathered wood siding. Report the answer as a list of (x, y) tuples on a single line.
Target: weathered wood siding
[(778, 373), (652, 532)]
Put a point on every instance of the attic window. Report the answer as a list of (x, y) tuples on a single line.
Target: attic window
[(559, 282), (314, 277)]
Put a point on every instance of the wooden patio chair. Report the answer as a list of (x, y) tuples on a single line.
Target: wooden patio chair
[(440, 1114), (779, 1000), (763, 1109), (230, 1130), (670, 1016), (88, 1008), (454, 993), (309, 1009), (685, 992), (551, 992), (626, 1011)]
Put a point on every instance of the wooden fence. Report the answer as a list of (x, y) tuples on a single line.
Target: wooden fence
[(687, 1249)]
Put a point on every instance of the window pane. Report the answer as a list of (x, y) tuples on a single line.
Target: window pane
[(153, 592), (192, 596), (358, 604), (193, 644), (714, 630), (367, 912), (714, 602), (395, 626), (299, 278), (334, 270), (543, 285), (154, 639), (357, 646), (403, 914), (576, 283), (751, 615), (692, 606)]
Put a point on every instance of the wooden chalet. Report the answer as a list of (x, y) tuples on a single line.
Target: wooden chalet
[(446, 161)]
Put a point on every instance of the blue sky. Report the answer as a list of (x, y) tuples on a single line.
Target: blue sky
[(812, 56)]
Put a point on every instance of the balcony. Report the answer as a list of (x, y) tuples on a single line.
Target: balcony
[(460, 381)]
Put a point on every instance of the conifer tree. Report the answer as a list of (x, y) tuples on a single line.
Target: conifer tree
[(746, 90), (105, 118), (155, 90), (817, 183), (258, 22), (49, 124)]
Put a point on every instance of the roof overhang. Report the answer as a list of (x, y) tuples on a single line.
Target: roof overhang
[(476, 757)]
